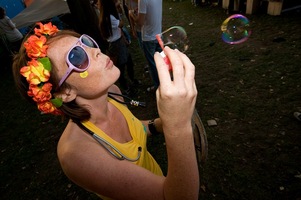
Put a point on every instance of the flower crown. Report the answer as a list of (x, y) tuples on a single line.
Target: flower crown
[(37, 71)]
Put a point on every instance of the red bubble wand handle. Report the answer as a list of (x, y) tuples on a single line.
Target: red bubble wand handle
[(166, 60)]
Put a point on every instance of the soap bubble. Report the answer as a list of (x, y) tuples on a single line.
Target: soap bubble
[(174, 37), (236, 29)]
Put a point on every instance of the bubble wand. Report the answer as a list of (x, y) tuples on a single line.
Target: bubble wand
[(176, 38)]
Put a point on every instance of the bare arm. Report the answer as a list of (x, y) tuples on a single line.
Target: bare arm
[(120, 25), (138, 19), (132, 24), (11, 24), (176, 101), (157, 125)]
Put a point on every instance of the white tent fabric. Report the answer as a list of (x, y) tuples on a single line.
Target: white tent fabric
[(40, 10)]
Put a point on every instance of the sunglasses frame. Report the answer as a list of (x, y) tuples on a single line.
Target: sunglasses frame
[(71, 67)]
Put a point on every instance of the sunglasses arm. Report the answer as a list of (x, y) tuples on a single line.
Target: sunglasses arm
[(65, 76)]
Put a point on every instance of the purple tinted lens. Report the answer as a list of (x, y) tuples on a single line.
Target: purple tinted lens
[(78, 57), (88, 41)]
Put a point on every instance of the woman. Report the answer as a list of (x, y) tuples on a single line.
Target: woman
[(111, 29), (13, 35), (67, 74)]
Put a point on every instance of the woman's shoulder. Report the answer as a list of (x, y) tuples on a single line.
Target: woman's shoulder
[(77, 152), (71, 138), (114, 89), (74, 144)]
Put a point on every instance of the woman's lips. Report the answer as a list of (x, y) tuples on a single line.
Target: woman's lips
[(109, 64)]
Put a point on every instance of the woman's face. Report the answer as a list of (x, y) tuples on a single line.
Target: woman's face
[(100, 75)]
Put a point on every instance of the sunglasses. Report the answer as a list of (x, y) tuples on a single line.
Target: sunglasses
[(77, 58)]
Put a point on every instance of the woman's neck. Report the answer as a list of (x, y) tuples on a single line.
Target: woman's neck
[(98, 107)]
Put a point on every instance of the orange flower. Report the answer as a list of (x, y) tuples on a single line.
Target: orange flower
[(46, 29), (40, 94), (35, 46), (47, 107), (35, 72)]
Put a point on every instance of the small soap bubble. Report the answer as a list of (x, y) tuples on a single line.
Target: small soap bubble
[(236, 29), (175, 37)]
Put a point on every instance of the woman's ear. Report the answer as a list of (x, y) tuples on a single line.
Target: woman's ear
[(66, 95)]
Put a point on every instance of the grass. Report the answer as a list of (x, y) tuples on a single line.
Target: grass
[(250, 89)]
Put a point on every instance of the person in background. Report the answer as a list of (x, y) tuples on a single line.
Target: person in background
[(126, 9), (12, 34), (135, 28), (111, 29), (150, 19), (124, 29), (231, 8), (85, 21), (103, 147), (95, 5)]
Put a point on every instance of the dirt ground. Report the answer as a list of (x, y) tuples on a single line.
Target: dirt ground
[(251, 90)]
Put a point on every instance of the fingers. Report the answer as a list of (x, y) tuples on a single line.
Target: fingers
[(176, 96), (189, 71), (163, 73), (189, 67), (177, 65), (183, 69)]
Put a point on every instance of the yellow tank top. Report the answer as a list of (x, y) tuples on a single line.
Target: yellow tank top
[(130, 149)]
